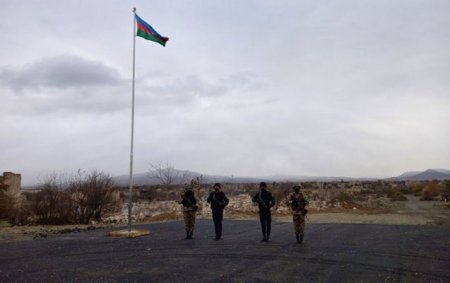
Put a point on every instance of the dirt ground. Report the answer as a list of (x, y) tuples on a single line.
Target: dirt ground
[(410, 212)]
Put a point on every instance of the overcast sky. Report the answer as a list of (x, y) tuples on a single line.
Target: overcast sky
[(246, 88)]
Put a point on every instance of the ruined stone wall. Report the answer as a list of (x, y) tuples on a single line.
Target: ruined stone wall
[(11, 183)]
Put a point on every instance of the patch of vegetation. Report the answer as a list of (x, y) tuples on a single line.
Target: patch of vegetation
[(417, 189), (85, 197), (12, 210), (430, 192), (344, 199), (5, 204), (395, 194)]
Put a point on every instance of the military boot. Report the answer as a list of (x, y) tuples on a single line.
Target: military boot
[(187, 235), (191, 235), (297, 236), (301, 238), (264, 239)]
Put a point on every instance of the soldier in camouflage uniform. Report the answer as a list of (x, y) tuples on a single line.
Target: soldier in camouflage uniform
[(190, 207), (298, 204)]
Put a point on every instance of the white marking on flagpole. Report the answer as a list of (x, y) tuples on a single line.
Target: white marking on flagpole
[(130, 180)]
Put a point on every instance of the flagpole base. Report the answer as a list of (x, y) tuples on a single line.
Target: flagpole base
[(129, 234)]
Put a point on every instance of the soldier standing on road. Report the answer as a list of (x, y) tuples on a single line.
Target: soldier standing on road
[(190, 207), (298, 204), (265, 202), (218, 202)]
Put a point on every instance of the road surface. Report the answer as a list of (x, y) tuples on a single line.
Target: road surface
[(331, 253)]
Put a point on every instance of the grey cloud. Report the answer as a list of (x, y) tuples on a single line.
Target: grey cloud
[(190, 86), (65, 71), (86, 101), (245, 80), (187, 89)]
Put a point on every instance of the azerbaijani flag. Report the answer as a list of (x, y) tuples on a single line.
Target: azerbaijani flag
[(146, 31)]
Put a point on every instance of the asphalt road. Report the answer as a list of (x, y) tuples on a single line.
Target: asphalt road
[(331, 253)]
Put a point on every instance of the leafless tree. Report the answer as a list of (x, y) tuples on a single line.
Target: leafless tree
[(55, 180), (167, 175)]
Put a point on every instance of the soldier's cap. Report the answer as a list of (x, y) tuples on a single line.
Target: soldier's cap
[(188, 188), (263, 185), (297, 186), (217, 185)]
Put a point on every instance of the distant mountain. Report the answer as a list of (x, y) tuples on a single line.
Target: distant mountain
[(408, 174), (184, 177), (427, 175), (139, 179), (293, 178)]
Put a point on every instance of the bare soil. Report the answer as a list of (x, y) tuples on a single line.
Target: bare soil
[(410, 212)]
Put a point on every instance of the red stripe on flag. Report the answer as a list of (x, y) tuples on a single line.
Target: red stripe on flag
[(143, 28)]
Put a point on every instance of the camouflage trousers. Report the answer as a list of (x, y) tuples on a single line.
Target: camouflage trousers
[(189, 220), (299, 223)]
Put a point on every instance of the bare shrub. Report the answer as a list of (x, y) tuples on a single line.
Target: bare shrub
[(398, 197), (5, 202), (395, 194), (361, 198), (11, 209), (52, 206), (404, 189), (147, 192), (280, 192), (85, 197), (380, 189), (445, 191), (250, 189), (367, 192), (431, 191), (92, 196), (417, 189), (14, 209), (346, 199), (232, 189)]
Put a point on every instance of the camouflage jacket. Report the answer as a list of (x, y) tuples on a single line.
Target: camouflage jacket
[(297, 202)]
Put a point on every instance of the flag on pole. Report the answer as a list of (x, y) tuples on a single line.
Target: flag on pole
[(146, 31)]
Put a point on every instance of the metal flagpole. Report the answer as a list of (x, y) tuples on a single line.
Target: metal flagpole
[(130, 179)]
